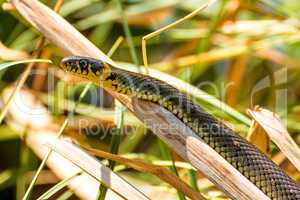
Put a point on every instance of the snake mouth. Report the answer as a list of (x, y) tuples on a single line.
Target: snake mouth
[(65, 64), (71, 64)]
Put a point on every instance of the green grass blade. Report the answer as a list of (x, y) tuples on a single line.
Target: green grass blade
[(128, 34), (6, 65), (18, 29), (52, 191), (73, 6), (206, 42), (117, 132), (167, 156), (114, 148), (23, 169), (7, 178), (110, 13), (193, 179), (24, 41), (66, 195), (40, 168)]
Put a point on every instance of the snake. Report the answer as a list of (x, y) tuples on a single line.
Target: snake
[(242, 155)]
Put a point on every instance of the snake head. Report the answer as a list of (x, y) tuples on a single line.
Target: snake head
[(84, 67)]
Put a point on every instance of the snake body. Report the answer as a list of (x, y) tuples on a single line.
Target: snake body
[(242, 155)]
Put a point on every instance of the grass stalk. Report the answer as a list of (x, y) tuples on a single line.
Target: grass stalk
[(43, 163), (192, 175), (128, 34), (205, 43), (117, 131), (114, 147), (24, 167), (36, 54), (57, 187), (167, 156), (66, 195)]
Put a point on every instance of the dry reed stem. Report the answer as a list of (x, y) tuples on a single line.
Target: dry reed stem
[(158, 171), (95, 169), (8, 7), (277, 133), (257, 136), (84, 186), (180, 138)]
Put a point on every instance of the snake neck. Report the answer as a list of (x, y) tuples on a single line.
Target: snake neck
[(114, 80), (153, 90)]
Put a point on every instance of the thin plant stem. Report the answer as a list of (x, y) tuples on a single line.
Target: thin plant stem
[(165, 28), (57, 187), (115, 46), (193, 179), (114, 147), (128, 34), (167, 156), (117, 132), (33, 181)]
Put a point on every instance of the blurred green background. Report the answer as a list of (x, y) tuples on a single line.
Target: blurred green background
[(243, 53)]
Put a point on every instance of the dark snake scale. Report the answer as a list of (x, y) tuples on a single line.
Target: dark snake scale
[(242, 155)]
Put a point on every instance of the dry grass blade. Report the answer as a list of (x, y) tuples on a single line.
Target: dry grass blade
[(179, 137), (97, 170), (159, 31), (162, 173), (257, 136), (277, 133), (84, 186)]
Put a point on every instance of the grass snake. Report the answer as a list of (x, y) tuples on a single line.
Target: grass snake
[(242, 155)]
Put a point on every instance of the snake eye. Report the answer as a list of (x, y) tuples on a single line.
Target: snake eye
[(83, 64)]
